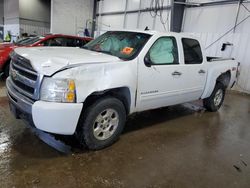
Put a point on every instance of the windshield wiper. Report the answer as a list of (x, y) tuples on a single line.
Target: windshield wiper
[(101, 51), (105, 52)]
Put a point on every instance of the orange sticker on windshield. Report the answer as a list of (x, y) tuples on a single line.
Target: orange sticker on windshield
[(127, 50)]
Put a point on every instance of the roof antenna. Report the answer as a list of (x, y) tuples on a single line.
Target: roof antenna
[(146, 28)]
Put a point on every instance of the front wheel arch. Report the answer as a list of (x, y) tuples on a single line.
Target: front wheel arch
[(121, 93), (85, 133)]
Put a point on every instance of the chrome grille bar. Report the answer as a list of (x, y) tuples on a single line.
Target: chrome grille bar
[(24, 78), (23, 69)]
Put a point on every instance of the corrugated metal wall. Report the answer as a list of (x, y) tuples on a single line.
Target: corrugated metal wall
[(34, 28), (34, 16), (136, 20), (210, 23), (70, 17)]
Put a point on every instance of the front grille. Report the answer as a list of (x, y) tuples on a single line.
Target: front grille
[(24, 78), (24, 87)]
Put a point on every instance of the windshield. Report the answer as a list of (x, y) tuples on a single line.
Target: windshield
[(28, 41), (125, 45), (19, 41)]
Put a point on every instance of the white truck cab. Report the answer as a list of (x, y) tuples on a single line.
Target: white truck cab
[(89, 92)]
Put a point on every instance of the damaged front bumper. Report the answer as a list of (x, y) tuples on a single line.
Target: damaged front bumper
[(57, 118)]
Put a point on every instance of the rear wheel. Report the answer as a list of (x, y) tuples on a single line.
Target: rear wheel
[(214, 102), (102, 123)]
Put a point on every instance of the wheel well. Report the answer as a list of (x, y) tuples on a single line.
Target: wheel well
[(122, 93), (224, 78)]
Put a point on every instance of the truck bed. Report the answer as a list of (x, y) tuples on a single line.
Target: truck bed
[(211, 59)]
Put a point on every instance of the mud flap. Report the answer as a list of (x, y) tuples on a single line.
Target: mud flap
[(52, 141), (13, 110)]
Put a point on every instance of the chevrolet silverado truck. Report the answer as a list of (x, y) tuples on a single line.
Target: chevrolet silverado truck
[(89, 92)]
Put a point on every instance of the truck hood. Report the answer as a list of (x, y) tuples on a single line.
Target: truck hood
[(48, 60)]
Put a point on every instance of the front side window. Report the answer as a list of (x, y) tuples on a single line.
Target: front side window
[(122, 44), (164, 52), (192, 51)]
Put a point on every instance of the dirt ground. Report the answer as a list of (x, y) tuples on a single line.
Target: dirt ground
[(179, 146)]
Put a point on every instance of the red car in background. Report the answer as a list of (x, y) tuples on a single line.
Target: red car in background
[(48, 40)]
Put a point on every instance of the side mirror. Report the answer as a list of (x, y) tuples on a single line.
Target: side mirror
[(147, 61)]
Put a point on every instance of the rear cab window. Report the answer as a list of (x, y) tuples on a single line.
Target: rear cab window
[(192, 51)]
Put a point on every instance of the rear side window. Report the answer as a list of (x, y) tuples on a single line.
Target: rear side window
[(192, 51)]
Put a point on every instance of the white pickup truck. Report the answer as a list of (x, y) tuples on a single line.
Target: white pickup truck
[(89, 92)]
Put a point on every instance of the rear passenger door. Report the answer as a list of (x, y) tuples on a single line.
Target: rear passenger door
[(193, 70)]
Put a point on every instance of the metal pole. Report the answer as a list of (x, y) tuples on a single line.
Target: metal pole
[(172, 16), (237, 14), (94, 18), (125, 15), (100, 8), (139, 15)]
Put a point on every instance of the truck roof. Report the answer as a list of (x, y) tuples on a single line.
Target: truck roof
[(154, 32)]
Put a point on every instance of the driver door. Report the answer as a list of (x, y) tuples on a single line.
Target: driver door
[(160, 79)]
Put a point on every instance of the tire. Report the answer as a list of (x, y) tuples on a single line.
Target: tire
[(214, 102), (102, 123), (7, 69)]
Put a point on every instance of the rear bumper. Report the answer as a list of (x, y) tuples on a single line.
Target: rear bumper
[(58, 118)]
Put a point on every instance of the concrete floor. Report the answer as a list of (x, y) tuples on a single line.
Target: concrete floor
[(171, 147)]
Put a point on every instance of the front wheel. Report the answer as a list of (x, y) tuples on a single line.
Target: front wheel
[(102, 123), (214, 102)]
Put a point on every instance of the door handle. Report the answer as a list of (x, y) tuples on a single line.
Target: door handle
[(202, 71), (176, 73)]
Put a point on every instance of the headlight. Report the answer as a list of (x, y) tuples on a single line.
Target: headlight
[(58, 90)]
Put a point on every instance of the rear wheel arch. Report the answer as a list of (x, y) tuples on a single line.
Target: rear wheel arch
[(221, 82), (215, 100), (224, 78)]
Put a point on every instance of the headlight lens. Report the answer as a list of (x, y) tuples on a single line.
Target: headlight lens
[(58, 90)]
